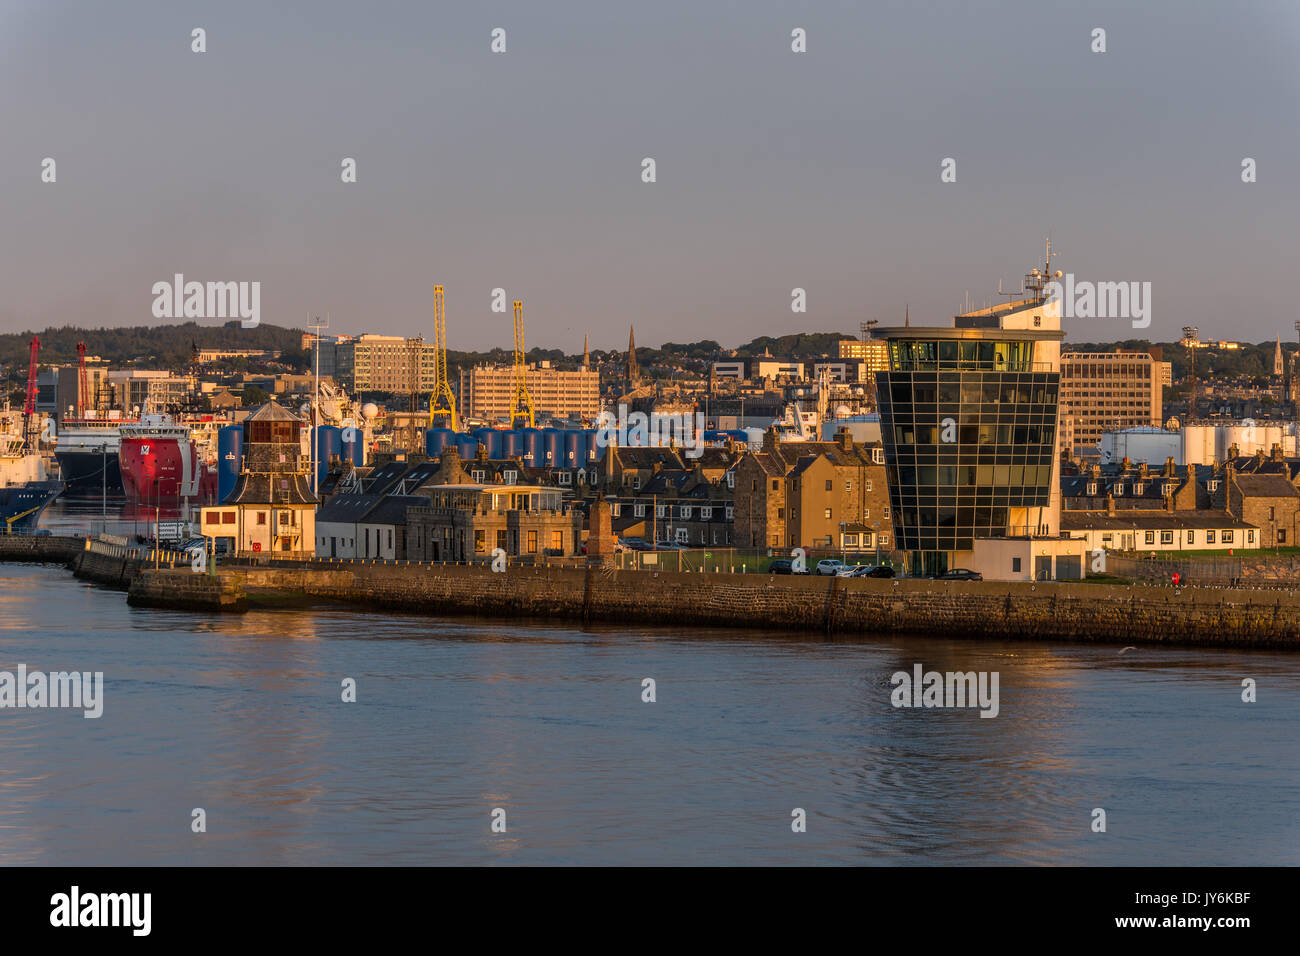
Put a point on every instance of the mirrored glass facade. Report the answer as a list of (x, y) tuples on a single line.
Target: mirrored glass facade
[(969, 432)]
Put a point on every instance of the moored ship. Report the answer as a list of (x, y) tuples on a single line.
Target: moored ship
[(87, 451), (24, 488), (159, 462)]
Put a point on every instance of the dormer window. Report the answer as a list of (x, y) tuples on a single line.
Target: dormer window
[(1119, 491), (1092, 488), (510, 477), (878, 456), (477, 476), (1212, 485), (1137, 489)]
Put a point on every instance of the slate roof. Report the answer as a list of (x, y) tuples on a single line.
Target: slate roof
[(1265, 486), (273, 412), (1150, 521), (392, 509), (347, 509), (263, 489)]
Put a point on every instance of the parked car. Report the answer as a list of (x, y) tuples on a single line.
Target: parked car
[(829, 566), (960, 574), (784, 566), (868, 571), (637, 544)]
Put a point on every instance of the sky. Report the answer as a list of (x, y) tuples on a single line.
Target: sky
[(774, 170)]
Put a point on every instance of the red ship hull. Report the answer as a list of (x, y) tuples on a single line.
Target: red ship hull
[(160, 470)]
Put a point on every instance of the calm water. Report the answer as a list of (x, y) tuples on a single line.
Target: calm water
[(242, 716)]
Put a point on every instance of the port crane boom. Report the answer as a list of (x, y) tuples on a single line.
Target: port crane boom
[(442, 402), (521, 403)]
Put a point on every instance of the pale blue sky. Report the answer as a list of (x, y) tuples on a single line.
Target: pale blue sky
[(522, 170)]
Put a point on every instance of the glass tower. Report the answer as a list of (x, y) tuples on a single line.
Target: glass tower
[(968, 420)]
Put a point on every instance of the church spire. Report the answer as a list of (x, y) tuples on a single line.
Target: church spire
[(586, 352), (633, 373)]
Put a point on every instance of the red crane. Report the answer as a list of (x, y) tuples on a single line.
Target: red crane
[(83, 389), (30, 408)]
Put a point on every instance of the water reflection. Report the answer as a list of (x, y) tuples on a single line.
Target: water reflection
[(243, 716)]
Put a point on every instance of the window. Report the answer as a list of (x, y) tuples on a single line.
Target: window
[(686, 511), (615, 509), (1092, 488), (886, 512), (565, 478), (1166, 537), (729, 512), (227, 517), (557, 540), (775, 484), (480, 540), (261, 517), (848, 486), (582, 476), (868, 484), (884, 540), (1150, 537), (510, 477), (501, 539), (1272, 514), (532, 542), (706, 513), (1191, 537), (660, 510), (1281, 535), (1119, 490), (636, 482), (780, 512), (638, 511), (1226, 537), (1209, 537), (731, 479), (1015, 565), (477, 476), (1212, 485), (827, 514), (1250, 537), (211, 517), (877, 457), (683, 536), (830, 485), (1137, 488)]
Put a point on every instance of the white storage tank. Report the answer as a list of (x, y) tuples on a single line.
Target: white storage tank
[(1198, 444), (1151, 445)]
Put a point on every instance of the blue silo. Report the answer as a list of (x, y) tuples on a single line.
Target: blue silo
[(328, 445), (354, 446), (230, 458), (436, 439), (510, 444), (552, 447), (467, 446), (530, 446), (573, 449)]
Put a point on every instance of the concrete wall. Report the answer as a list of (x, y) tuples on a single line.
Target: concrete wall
[(1078, 612)]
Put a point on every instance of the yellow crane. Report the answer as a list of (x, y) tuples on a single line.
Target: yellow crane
[(442, 401), (521, 403)]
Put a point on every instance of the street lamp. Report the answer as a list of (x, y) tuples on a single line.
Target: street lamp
[(157, 519)]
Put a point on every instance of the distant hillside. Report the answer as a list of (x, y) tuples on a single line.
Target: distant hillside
[(798, 345), (159, 346)]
